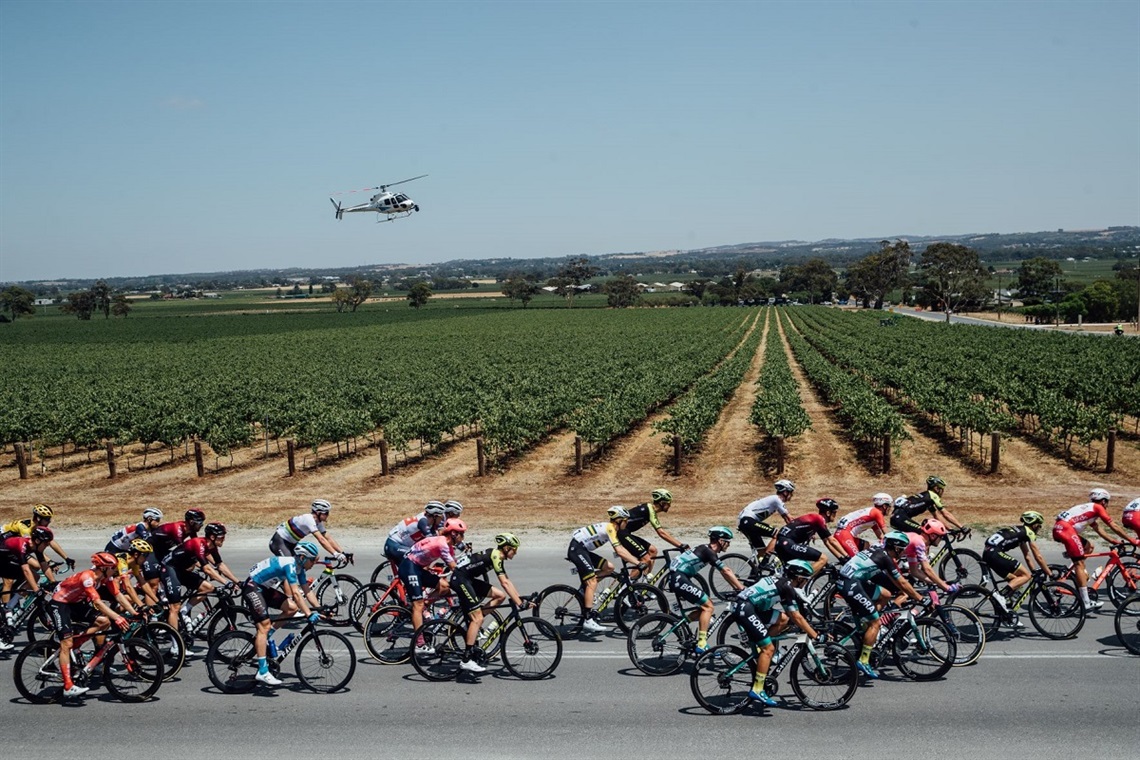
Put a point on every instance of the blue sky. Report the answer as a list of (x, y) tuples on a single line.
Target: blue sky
[(142, 138)]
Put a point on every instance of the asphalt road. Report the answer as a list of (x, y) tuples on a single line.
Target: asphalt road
[(1027, 697)]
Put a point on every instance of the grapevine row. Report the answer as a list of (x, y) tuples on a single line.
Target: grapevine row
[(778, 409)]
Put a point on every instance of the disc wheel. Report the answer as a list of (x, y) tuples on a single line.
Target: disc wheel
[(659, 643), (924, 651), (564, 608), (1056, 610), (531, 649), (37, 674), (445, 640), (325, 661), (721, 679), (231, 662), (388, 634), (826, 680), (132, 671), (1127, 623), (635, 602)]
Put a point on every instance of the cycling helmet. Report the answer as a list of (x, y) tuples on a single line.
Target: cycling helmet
[(141, 546), (454, 525), (933, 528), (663, 494), (618, 513), (43, 510), (215, 530), (881, 500), (896, 539), (452, 508), (104, 559), (435, 509), (1032, 518), (785, 486), (935, 482), (42, 535), (507, 541), (827, 506), (321, 507), (1099, 495), (901, 501), (152, 513), (307, 549), (720, 533), (799, 568), (195, 516)]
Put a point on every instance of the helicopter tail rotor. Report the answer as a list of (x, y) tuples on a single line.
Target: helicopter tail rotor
[(339, 210)]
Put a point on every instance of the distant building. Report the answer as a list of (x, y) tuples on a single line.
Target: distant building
[(44, 301)]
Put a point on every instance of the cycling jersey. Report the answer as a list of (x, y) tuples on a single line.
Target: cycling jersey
[(15, 551), (1131, 518), (128, 565), (432, 552), (296, 528), (410, 530), (1009, 537), (169, 535), (640, 516), (804, 528), (121, 539), (1083, 515), (762, 509), (764, 594), (81, 587), (689, 563), (903, 518), (860, 520), (916, 552), (22, 528), (274, 572), (868, 563), (861, 579), (596, 535), (194, 551), (480, 563)]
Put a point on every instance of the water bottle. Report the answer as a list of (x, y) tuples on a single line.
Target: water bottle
[(286, 644), (271, 648), (1096, 574)]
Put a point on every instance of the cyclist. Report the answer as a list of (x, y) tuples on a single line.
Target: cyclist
[(639, 517), (189, 564), (792, 542), (412, 529), (751, 520), (77, 605), (279, 582), (471, 586), (918, 555), (121, 539), (849, 527), (130, 566), (423, 565), (995, 555), (1131, 518), (687, 564), (904, 513), (167, 536), (861, 583), (590, 566), (17, 555), (452, 508), (758, 617), (295, 529), (1067, 531), (41, 517)]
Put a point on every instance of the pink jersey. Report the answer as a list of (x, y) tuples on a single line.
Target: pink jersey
[(433, 552), (860, 520), (916, 549), (1084, 515)]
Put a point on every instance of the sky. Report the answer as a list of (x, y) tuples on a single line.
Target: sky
[(144, 138)]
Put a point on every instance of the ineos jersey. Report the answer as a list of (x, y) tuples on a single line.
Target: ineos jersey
[(804, 528)]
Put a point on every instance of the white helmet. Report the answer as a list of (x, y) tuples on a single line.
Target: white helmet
[(783, 485), (152, 513), (321, 507), (617, 512), (1099, 494), (881, 500)]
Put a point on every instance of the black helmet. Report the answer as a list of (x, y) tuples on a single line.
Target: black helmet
[(214, 530), (195, 516)]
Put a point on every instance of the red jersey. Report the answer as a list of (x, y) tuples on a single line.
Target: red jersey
[(82, 587), (167, 536), (804, 529), (19, 549)]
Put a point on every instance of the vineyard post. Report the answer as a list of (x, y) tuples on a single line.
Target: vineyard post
[(198, 458), (383, 457), (21, 462), (779, 455), (291, 455), (1110, 455), (995, 452), (577, 455), (886, 454), (111, 459), (676, 455), (480, 454)]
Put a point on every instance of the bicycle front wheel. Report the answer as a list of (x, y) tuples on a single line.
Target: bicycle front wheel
[(37, 674), (741, 566), (721, 679), (531, 649), (361, 604), (325, 661), (962, 566), (334, 593), (825, 680), (658, 644), (384, 573), (132, 671), (968, 631), (563, 607), (924, 651), (1122, 582), (1056, 610), (388, 634), (439, 648), (231, 662), (226, 618), (1127, 624), (635, 602), (168, 642), (980, 600)]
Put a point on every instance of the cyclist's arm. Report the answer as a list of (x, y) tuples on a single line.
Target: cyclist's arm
[(1127, 538), (906, 588), (835, 548), (730, 576), (43, 566), (30, 576), (787, 518), (509, 588), (127, 600), (1038, 558), (297, 594), (222, 573), (55, 548), (803, 624), (947, 516), (926, 572), (105, 610), (328, 543), (666, 536)]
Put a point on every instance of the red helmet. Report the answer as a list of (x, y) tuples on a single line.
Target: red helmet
[(103, 559), (454, 525), (932, 528)]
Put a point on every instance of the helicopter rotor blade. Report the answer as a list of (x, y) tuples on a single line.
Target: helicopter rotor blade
[(392, 184)]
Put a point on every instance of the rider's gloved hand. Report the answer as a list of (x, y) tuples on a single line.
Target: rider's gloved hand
[(314, 617), (123, 623), (953, 588), (684, 547), (70, 563), (339, 557)]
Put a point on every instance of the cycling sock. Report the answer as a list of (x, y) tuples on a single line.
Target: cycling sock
[(865, 655), (1084, 591), (758, 684), (65, 671), (702, 639), (262, 665)]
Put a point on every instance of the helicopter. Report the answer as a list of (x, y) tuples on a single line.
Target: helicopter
[(391, 205)]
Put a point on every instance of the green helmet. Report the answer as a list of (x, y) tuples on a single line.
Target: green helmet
[(799, 568), (1032, 518), (935, 482), (896, 539), (507, 541), (720, 533), (662, 494)]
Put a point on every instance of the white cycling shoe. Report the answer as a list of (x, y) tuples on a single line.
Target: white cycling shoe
[(471, 666), (75, 691), (268, 679), (593, 626)]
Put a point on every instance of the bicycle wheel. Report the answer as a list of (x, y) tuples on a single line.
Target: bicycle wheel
[(721, 679), (231, 662), (962, 566), (445, 641), (826, 680), (37, 673), (334, 593), (325, 661), (1056, 610), (226, 618), (361, 604), (635, 602), (659, 643), (741, 566), (40, 626), (980, 600), (384, 573), (968, 631), (132, 671), (388, 634), (168, 642), (1127, 624), (925, 650), (563, 607), (531, 649), (1123, 582)]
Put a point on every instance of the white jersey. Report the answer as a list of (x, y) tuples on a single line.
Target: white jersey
[(296, 528), (761, 509), (860, 520), (1083, 515), (410, 530), (593, 536)]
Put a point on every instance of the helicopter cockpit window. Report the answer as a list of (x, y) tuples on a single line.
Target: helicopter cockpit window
[(401, 197)]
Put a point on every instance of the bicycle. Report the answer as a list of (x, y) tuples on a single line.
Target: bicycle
[(957, 565), (824, 676), (922, 647), (1055, 608), (334, 591), (132, 667), (660, 643), (1127, 623), (964, 625), (371, 597), (220, 614), (31, 612), (1121, 574), (564, 606), (325, 661), (748, 568), (530, 647), (388, 631)]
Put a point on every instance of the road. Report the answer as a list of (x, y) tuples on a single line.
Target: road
[(1027, 697), (937, 316)]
